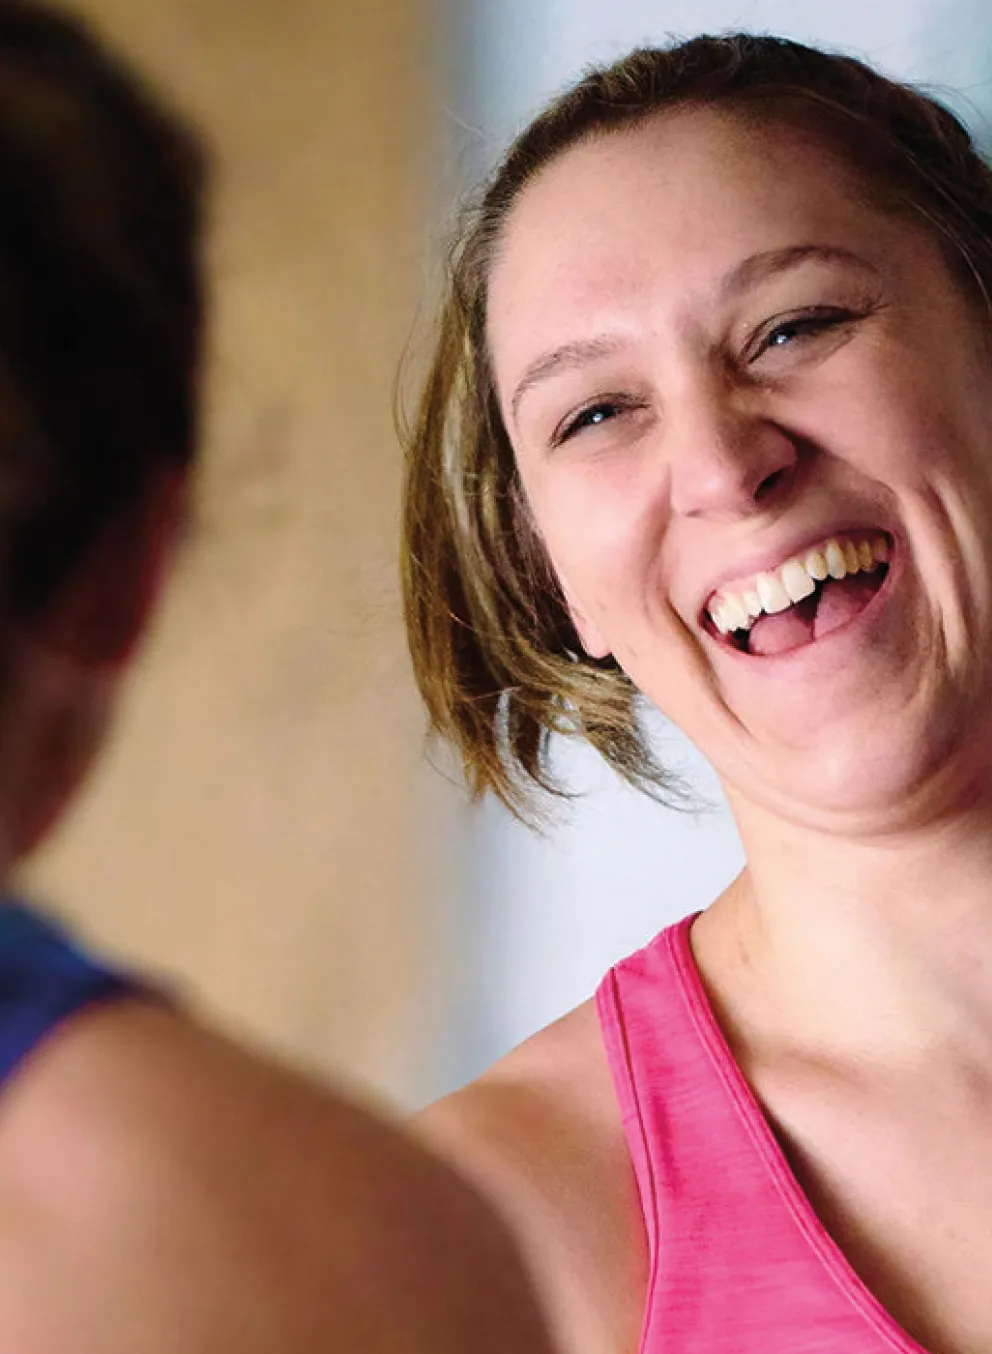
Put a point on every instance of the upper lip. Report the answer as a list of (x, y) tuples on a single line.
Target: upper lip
[(773, 557)]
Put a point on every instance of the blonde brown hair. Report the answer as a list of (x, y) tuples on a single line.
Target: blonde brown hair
[(495, 654)]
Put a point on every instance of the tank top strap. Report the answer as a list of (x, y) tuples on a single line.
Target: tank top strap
[(44, 978), (738, 1261)]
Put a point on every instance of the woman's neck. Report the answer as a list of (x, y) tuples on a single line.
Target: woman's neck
[(868, 949)]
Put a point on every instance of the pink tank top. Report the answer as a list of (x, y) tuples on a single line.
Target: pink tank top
[(739, 1261)]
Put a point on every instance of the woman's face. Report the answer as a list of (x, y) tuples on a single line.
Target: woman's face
[(725, 374)]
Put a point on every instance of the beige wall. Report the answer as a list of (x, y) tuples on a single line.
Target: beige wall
[(255, 827)]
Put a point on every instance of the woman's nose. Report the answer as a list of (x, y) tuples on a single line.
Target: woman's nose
[(728, 461)]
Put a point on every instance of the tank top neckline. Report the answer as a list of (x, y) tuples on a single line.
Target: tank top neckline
[(700, 1011)]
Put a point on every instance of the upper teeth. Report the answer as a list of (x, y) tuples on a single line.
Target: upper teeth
[(738, 608)]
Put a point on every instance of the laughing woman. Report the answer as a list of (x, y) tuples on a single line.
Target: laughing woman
[(710, 422)]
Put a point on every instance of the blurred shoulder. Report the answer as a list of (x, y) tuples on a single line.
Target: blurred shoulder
[(161, 1189), (540, 1133)]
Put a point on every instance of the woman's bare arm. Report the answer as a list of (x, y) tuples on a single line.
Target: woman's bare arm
[(540, 1135)]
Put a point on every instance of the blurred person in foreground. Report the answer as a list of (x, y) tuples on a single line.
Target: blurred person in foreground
[(160, 1188), (710, 423)]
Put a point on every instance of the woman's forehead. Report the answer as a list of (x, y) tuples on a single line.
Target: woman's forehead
[(672, 207)]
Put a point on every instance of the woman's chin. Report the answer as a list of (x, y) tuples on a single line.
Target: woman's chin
[(871, 779)]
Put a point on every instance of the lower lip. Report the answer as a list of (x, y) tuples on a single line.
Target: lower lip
[(832, 641)]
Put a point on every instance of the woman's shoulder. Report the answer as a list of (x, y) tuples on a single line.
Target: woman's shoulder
[(540, 1134), (163, 1189), (561, 1068)]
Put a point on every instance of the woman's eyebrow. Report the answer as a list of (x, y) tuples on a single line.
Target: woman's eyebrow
[(567, 357), (770, 262), (748, 273)]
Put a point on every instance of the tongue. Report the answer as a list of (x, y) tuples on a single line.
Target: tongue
[(841, 601), (836, 603), (788, 630)]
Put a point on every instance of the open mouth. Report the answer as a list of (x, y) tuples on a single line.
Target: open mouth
[(805, 599)]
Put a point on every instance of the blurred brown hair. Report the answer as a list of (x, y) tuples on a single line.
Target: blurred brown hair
[(494, 651), (101, 295)]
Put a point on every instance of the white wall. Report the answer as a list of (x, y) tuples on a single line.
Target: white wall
[(544, 918)]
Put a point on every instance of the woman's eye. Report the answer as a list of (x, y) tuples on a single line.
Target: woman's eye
[(593, 416), (792, 331)]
